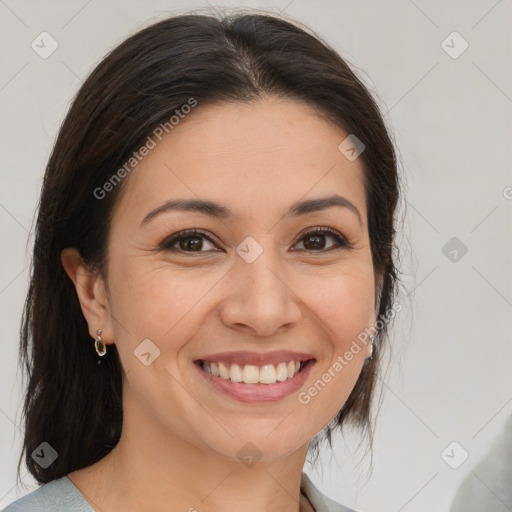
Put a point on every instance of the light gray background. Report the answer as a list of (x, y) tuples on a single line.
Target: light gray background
[(449, 377)]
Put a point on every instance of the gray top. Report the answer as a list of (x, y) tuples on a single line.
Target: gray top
[(488, 485), (61, 495)]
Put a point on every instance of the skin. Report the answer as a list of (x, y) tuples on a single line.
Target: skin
[(180, 437)]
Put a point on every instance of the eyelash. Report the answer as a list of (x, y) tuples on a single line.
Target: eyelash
[(167, 244)]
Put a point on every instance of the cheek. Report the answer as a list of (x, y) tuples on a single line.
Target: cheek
[(344, 303), (344, 307), (157, 303), (165, 305)]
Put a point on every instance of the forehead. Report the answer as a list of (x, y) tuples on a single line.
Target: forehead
[(257, 157)]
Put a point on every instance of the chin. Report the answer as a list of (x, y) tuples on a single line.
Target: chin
[(264, 444)]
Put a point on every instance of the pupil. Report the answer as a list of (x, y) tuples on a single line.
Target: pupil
[(317, 242), (196, 242)]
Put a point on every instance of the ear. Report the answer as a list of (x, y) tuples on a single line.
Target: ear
[(91, 292)]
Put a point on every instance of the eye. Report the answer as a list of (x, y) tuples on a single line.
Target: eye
[(193, 240), (190, 240), (314, 240)]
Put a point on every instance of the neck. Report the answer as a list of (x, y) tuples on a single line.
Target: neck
[(153, 469)]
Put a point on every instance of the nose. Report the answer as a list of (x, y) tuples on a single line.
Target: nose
[(260, 302)]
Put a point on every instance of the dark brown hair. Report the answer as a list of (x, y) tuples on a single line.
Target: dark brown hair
[(71, 402)]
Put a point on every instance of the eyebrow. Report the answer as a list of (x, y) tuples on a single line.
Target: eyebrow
[(217, 210)]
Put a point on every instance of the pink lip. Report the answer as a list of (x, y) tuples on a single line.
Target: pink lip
[(256, 358), (257, 392)]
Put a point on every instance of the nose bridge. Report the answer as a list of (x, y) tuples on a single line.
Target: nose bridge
[(262, 277), (259, 297), (263, 288)]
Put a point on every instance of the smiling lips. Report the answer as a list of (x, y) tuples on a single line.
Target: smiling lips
[(253, 377), (251, 374), (253, 367)]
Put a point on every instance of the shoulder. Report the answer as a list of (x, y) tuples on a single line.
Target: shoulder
[(495, 469), (58, 496), (320, 502), (62, 496)]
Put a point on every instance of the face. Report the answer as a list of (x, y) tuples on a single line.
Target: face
[(255, 279)]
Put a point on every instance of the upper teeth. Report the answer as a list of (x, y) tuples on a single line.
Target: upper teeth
[(251, 374)]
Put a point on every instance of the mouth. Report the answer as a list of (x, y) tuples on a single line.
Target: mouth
[(253, 374), (252, 382)]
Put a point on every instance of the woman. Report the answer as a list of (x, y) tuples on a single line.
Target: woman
[(213, 272)]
